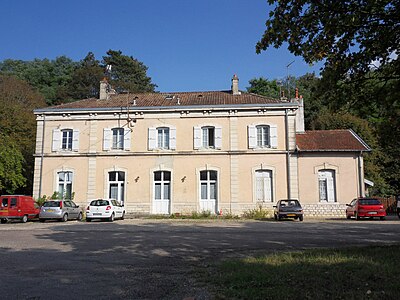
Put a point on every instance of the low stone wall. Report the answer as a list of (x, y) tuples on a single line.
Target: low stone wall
[(325, 210)]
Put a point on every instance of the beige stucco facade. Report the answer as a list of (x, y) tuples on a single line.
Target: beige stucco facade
[(244, 174)]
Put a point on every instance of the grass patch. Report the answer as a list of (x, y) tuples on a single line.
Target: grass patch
[(353, 273)]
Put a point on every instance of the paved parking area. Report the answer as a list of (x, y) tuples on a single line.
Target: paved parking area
[(154, 259)]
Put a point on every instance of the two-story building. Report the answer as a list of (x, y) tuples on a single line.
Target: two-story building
[(218, 151)]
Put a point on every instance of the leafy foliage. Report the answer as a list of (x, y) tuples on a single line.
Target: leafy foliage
[(127, 73), (85, 78), (18, 125), (349, 35), (11, 166)]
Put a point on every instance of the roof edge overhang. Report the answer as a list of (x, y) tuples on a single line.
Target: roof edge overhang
[(288, 105)]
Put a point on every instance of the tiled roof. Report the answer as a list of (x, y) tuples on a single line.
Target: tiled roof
[(214, 98), (330, 140)]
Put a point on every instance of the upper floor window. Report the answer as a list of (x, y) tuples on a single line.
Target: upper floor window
[(263, 139), (65, 139), (116, 139), (207, 137), (262, 136), (162, 138)]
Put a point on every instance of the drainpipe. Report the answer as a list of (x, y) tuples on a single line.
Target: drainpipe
[(42, 157), (289, 192), (360, 176)]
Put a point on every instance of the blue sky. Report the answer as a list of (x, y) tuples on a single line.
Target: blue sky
[(187, 45)]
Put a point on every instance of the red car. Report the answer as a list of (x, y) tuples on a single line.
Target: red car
[(18, 207), (365, 208)]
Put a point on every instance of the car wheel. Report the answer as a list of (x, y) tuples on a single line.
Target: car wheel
[(279, 217), (123, 216), (356, 216), (382, 218), (64, 218), (24, 219), (112, 217), (348, 217), (301, 218), (3, 221), (275, 217), (88, 219), (42, 220), (79, 217)]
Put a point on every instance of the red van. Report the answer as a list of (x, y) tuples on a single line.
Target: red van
[(18, 207)]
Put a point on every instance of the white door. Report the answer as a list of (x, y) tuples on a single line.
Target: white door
[(264, 185), (327, 189), (208, 191), (162, 192)]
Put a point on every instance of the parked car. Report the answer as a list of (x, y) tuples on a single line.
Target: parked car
[(62, 210), (365, 208), (105, 209), (288, 208), (18, 207)]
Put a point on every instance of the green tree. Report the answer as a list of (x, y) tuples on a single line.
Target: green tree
[(127, 73), (49, 77), (349, 35), (17, 122), (265, 87), (11, 166), (85, 78)]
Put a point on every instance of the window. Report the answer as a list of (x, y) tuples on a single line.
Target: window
[(4, 202), (264, 185), (207, 137), (65, 185), (66, 139), (13, 202), (327, 186), (116, 183), (163, 138), (262, 136), (117, 138), (208, 191)]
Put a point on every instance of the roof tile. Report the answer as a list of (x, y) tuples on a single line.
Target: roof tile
[(330, 140)]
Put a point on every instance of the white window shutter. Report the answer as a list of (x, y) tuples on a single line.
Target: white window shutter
[(152, 142), (127, 139), (107, 135), (56, 140), (196, 137), (273, 136), (75, 140), (218, 137), (330, 186), (252, 136), (172, 138)]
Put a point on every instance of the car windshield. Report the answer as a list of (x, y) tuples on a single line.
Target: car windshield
[(51, 204), (370, 202), (289, 203), (99, 203)]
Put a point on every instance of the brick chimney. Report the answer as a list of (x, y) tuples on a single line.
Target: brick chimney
[(235, 85)]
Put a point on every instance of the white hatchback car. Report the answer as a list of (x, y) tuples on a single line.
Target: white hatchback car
[(105, 209)]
